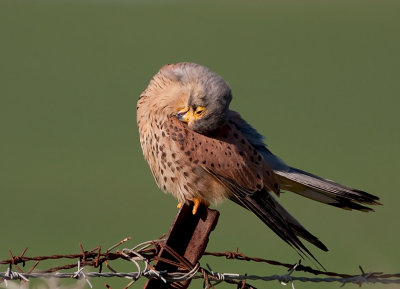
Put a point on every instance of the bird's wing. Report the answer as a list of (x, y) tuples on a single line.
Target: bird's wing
[(230, 158), (228, 154), (267, 209), (304, 183)]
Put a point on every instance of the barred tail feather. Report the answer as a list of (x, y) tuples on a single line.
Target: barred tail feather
[(324, 190), (268, 210)]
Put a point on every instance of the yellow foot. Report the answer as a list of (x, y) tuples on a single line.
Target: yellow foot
[(179, 205), (197, 202)]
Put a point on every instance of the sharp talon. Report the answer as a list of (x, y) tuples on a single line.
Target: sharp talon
[(196, 205), (197, 202), (179, 205)]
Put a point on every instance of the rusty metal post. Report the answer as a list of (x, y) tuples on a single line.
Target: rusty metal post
[(188, 237)]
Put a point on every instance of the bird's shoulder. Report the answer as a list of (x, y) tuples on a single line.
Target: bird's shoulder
[(226, 154)]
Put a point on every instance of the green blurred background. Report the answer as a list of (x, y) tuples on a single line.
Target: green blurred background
[(320, 79)]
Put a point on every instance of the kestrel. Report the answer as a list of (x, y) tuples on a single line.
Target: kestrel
[(200, 150)]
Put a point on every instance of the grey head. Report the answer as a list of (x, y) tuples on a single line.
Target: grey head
[(209, 96)]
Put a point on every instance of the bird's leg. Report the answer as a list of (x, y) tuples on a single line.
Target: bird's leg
[(197, 202)]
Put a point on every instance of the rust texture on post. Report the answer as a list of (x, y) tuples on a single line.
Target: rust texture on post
[(185, 244)]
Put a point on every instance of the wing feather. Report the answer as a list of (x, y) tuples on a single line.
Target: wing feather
[(235, 163), (227, 154)]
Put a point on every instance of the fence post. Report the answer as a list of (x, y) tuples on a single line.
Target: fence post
[(185, 244)]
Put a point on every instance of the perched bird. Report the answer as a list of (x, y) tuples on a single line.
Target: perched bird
[(200, 150)]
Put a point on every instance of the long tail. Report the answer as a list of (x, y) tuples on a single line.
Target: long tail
[(265, 207), (325, 191), (303, 183), (268, 210)]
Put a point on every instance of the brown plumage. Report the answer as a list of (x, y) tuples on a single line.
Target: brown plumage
[(199, 149)]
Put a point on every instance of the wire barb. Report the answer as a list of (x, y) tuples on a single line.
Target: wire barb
[(143, 254), (79, 274)]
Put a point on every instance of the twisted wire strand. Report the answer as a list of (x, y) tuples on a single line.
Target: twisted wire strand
[(139, 255), (179, 276)]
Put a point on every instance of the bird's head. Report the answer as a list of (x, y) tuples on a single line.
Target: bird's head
[(192, 93)]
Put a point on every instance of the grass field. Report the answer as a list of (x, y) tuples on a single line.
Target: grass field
[(320, 79)]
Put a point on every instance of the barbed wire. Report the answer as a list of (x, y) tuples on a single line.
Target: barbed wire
[(143, 254)]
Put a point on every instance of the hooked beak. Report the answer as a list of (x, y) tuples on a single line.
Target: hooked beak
[(184, 115)]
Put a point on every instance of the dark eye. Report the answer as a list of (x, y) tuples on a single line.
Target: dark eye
[(199, 111)]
